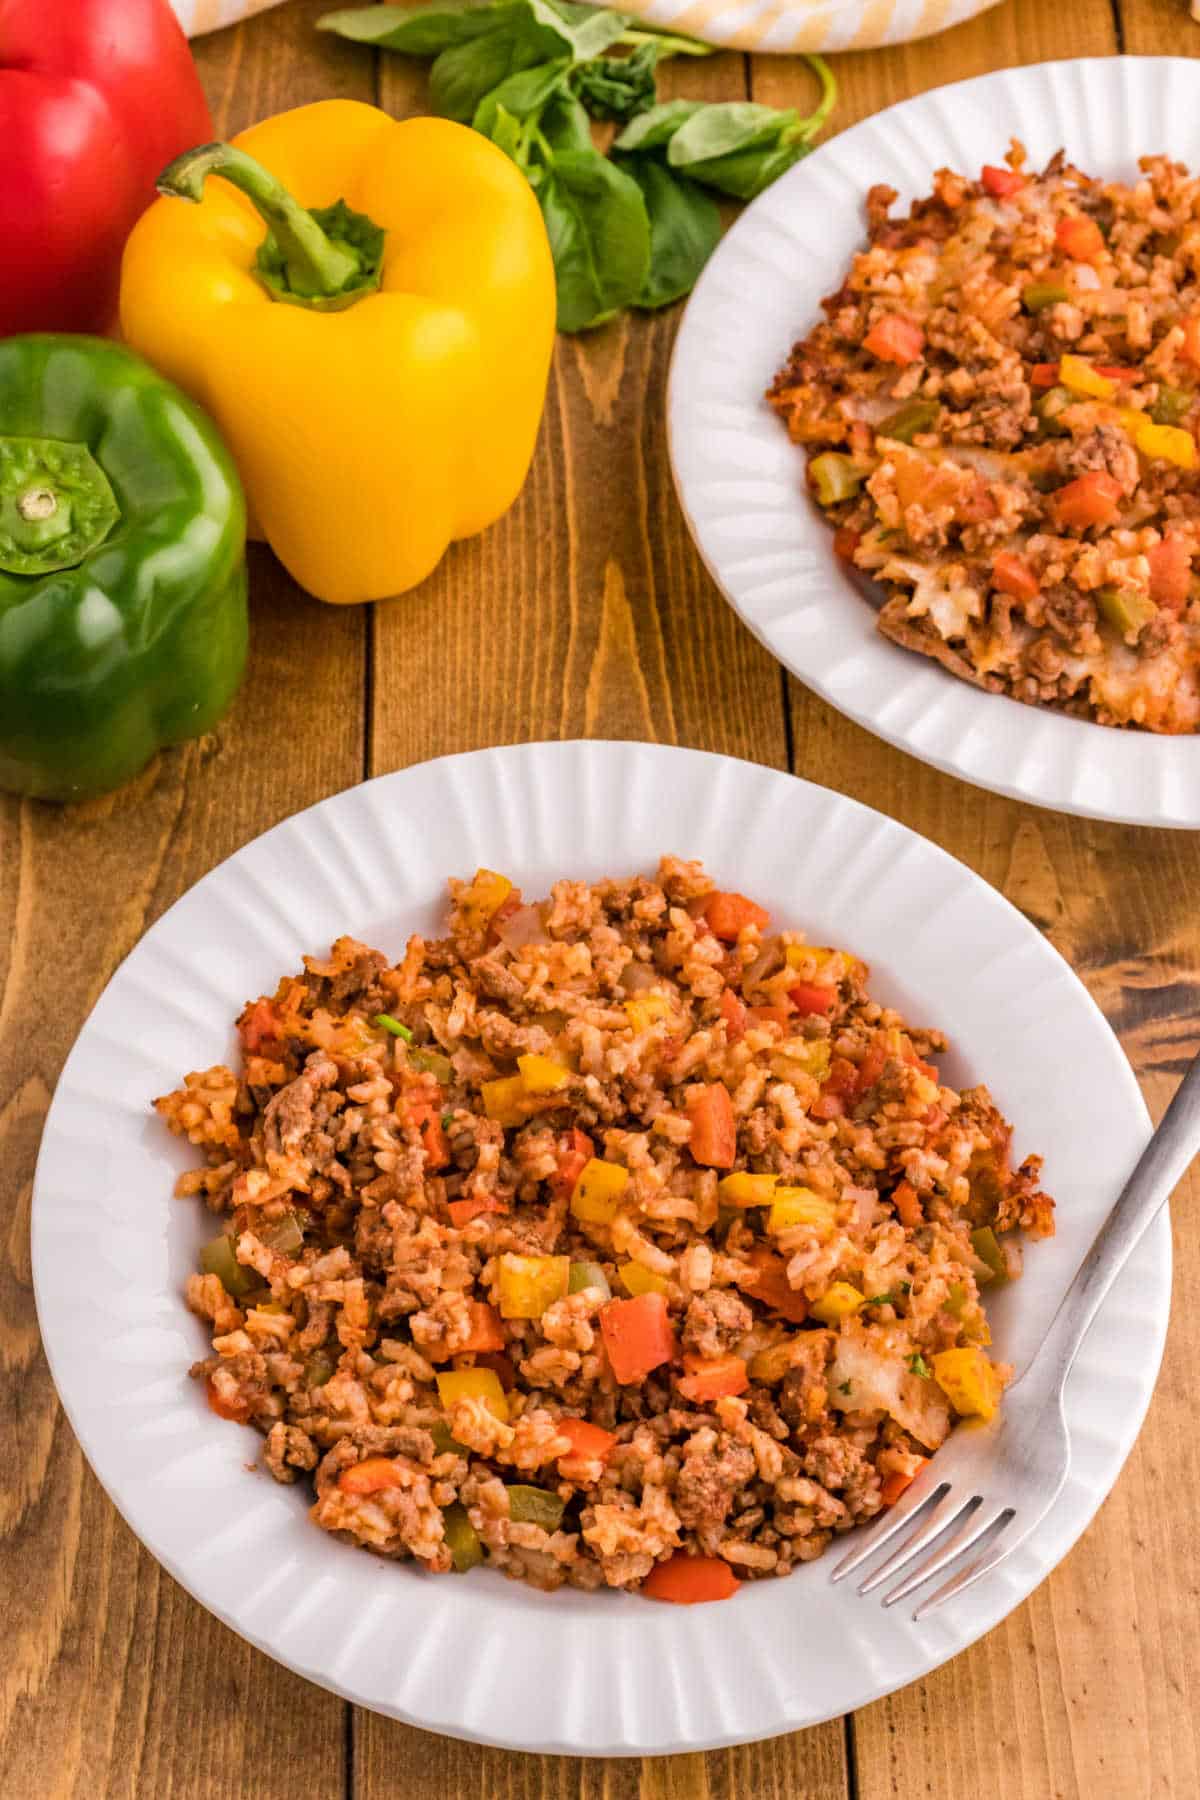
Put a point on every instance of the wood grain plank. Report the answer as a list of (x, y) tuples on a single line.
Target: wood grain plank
[(1158, 28), (1087, 1688), (114, 1682), (584, 613)]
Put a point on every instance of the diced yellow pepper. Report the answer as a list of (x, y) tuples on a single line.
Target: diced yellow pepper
[(597, 1194), (647, 1011), (968, 1380), (481, 897), (744, 1189), (503, 1100), (773, 1363), (636, 1279), (800, 1206), (473, 1384), (1167, 443), (802, 1056), (924, 1090), (1079, 377), (542, 1075), (817, 955), (837, 1302), (1132, 420), (529, 1284)]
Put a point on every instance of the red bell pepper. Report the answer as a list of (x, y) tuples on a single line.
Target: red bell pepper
[(95, 99)]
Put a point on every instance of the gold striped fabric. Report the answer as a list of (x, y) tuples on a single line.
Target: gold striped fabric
[(764, 25)]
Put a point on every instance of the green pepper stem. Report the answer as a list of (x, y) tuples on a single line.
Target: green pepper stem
[(315, 265)]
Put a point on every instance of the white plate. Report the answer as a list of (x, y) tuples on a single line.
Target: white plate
[(741, 481), (482, 1657)]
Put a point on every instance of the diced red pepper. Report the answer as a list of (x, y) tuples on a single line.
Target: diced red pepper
[(1190, 348), (1117, 372), (500, 1365), (871, 1068), (811, 999), (1013, 575), (1044, 375), (728, 914), (690, 1580), (713, 1378), (898, 1482), (1079, 238), (258, 1029), (828, 1106), (637, 1336), (487, 1333), (714, 1130), (846, 541), (733, 1011), (771, 1286), (428, 1120), (979, 504), (510, 904), (895, 339), (1091, 499), (908, 1207), (1000, 182), (236, 1410), (575, 1149), (1170, 572), (371, 1476), (588, 1442), (463, 1211)]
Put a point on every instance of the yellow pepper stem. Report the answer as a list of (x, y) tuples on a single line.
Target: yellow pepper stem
[(325, 259)]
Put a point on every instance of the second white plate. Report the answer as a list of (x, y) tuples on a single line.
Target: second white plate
[(741, 481)]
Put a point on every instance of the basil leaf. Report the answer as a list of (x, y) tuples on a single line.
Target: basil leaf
[(658, 126), (599, 236), (564, 124), (505, 131), (685, 225), (727, 127), (418, 30), (612, 89), (521, 94), (526, 34), (748, 172)]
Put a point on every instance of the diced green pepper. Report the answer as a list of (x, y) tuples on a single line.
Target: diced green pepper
[(284, 1235), (534, 1506), (218, 1258), (386, 1022), (986, 1246), (956, 1298), (1050, 407), (1125, 609), (587, 1275), (443, 1443), (319, 1369), (834, 477), (1170, 405), (915, 416), (432, 1062), (1040, 294), (462, 1539)]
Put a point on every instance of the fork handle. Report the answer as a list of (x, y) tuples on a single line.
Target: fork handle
[(1160, 1166)]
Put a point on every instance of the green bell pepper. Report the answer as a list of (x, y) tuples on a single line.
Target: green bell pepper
[(123, 624)]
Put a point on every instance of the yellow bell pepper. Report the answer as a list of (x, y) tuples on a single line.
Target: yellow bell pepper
[(636, 1279), (504, 1100), (647, 1011), (1168, 443), (483, 896), (1079, 377), (597, 1194), (381, 389), (969, 1382), (817, 955), (744, 1189), (800, 1206), (542, 1075), (529, 1284), (473, 1384), (837, 1302)]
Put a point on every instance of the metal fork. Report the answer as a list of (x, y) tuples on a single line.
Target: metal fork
[(992, 1484)]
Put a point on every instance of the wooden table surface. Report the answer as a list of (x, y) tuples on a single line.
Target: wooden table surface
[(584, 613)]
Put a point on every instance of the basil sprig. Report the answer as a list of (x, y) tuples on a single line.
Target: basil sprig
[(631, 229)]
